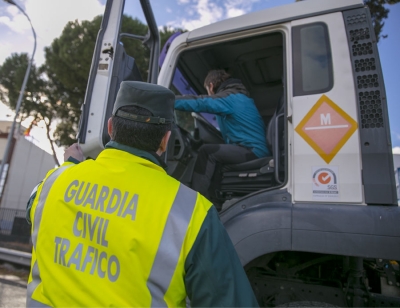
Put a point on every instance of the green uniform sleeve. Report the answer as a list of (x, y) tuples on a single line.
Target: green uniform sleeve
[(30, 203), (34, 192), (214, 274)]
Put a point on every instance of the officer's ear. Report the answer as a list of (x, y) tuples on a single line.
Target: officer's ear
[(109, 126), (164, 142)]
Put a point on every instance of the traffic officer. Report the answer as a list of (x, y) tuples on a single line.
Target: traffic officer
[(118, 231)]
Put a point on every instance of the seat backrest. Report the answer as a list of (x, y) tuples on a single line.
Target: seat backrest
[(272, 125)]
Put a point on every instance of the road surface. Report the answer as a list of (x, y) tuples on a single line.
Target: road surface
[(13, 282)]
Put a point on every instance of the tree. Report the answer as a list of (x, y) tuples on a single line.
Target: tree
[(12, 73), (165, 34), (379, 12), (67, 68), (56, 90), (68, 61), (35, 102)]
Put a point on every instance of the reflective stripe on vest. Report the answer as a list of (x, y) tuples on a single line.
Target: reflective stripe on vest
[(48, 183), (171, 245), (168, 251), (30, 302)]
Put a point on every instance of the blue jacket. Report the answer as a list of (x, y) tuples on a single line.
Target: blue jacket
[(238, 118)]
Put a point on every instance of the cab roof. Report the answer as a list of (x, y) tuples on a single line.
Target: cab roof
[(272, 16)]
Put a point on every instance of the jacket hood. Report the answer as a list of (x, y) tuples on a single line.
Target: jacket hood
[(233, 83)]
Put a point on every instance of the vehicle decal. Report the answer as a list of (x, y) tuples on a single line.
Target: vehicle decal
[(325, 184), (326, 128)]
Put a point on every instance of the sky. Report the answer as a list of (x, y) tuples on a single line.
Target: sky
[(50, 16)]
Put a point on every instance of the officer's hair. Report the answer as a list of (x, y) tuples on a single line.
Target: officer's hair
[(142, 136), (216, 77)]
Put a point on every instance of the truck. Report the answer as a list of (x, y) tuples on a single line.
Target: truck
[(317, 222)]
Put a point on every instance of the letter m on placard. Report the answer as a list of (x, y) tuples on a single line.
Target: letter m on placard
[(325, 119), (317, 130)]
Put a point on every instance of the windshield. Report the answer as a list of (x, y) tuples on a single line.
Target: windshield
[(181, 86)]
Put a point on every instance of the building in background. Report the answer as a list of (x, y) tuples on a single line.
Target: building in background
[(27, 165)]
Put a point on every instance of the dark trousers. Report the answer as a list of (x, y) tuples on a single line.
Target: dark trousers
[(207, 159)]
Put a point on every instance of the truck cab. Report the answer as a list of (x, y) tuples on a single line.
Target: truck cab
[(316, 223)]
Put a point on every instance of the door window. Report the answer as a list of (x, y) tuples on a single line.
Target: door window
[(312, 60)]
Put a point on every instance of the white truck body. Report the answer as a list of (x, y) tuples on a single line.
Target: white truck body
[(317, 222)]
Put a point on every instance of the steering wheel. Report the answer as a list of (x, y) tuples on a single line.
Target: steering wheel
[(208, 133)]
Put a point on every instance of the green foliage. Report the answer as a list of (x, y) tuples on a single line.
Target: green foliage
[(379, 12), (12, 74), (67, 66), (165, 34), (35, 101), (56, 90)]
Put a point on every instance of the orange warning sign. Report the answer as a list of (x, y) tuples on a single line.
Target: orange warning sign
[(326, 128)]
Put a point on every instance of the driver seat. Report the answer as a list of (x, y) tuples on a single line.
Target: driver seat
[(237, 180)]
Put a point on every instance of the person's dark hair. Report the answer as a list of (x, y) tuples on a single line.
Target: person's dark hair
[(143, 136), (216, 77)]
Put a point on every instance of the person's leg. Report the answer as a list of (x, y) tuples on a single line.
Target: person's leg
[(209, 155)]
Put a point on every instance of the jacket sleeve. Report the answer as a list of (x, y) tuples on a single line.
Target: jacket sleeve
[(214, 275), (30, 203), (34, 192), (216, 104)]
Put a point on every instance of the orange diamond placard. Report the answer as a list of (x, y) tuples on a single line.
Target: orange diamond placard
[(326, 128)]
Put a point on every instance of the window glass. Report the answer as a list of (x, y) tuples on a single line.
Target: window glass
[(180, 86), (312, 60)]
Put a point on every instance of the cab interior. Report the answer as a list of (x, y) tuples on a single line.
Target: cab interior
[(258, 61)]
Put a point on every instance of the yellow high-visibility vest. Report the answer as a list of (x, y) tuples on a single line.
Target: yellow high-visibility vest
[(114, 231)]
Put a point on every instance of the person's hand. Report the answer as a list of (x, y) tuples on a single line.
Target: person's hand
[(74, 151)]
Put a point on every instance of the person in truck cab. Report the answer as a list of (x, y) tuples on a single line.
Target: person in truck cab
[(119, 231), (240, 123)]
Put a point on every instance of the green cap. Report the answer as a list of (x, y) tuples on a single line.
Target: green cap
[(156, 99)]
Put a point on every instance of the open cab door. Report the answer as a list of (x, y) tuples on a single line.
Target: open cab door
[(257, 57), (110, 66)]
